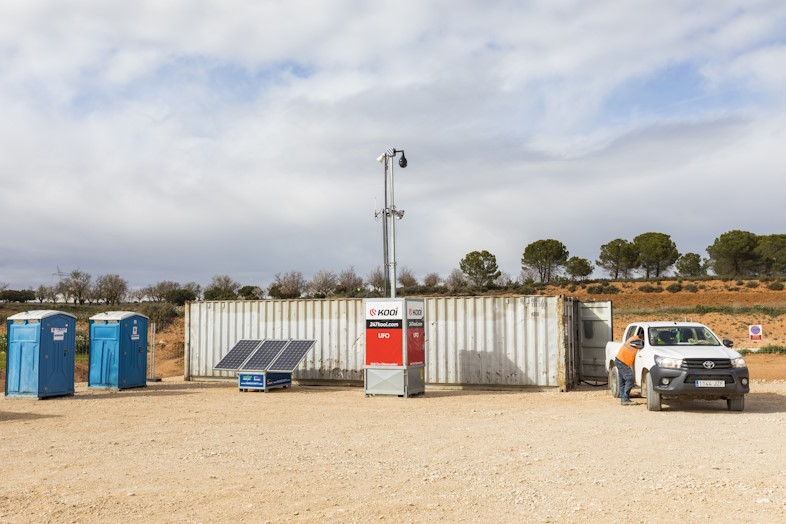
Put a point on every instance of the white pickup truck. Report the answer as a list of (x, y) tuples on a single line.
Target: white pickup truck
[(682, 359)]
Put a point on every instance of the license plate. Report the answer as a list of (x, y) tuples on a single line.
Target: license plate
[(710, 384)]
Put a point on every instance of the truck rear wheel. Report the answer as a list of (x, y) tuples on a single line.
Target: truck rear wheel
[(614, 381), (653, 397), (736, 403)]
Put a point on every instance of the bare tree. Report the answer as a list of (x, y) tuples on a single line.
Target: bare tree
[(456, 280), (323, 284), (3, 286), (79, 285), (159, 291), (222, 287), (406, 277), (63, 288), (376, 279), (503, 280), (43, 293), (194, 288), (431, 280), (111, 288), (349, 282), (289, 285), (93, 294)]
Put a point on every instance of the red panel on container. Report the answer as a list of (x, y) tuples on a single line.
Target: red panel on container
[(416, 355), (384, 347)]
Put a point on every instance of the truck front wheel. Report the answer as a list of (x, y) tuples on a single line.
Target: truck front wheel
[(736, 403), (653, 397), (614, 381)]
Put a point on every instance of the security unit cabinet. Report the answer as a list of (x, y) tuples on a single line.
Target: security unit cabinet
[(395, 347)]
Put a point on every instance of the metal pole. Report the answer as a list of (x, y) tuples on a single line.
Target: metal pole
[(385, 213), (392, 237), (152, 368)]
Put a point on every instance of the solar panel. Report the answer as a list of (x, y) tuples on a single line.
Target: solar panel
[(291, 356), (268, 351), (237, 355)]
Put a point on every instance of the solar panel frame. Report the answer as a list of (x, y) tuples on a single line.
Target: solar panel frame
[(291, 356), (264, 355), (239, 353)]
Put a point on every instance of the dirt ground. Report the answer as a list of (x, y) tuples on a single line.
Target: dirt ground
[(197, 452), (203, 452)]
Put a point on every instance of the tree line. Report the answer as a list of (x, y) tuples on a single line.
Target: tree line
[(733, 254)]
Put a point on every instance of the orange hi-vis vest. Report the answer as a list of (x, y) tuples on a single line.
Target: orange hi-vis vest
[(627, 353)]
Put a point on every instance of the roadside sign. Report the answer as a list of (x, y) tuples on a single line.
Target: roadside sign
[(755, 332)]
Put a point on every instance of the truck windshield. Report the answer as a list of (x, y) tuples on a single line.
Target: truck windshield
[(682, 336)]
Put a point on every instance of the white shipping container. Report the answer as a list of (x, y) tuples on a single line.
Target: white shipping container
[(483, 341)]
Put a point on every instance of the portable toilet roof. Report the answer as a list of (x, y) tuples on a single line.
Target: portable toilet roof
[(117, 315), (38, 315)]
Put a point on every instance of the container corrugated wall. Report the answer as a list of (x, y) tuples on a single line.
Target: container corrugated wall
[(485, 341), (212, 328)]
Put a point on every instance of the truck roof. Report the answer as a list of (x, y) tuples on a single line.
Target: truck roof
[(664, 323)]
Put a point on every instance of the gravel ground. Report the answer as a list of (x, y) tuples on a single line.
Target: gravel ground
[(196, 452)]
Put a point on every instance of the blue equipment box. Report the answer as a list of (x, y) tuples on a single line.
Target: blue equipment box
[(263, 381)]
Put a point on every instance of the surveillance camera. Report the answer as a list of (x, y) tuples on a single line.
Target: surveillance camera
[(381, 158)]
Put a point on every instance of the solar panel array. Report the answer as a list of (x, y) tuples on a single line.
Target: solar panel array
[(291, 356), (266, 353), (237, 355), (282, 356)]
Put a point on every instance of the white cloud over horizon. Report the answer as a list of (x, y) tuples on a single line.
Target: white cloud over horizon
[(179, 141)]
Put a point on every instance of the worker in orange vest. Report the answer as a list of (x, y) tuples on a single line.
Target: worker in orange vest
[(626, 356)]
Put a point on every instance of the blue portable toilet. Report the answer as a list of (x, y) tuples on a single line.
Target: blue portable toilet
[(118, 350), (40, 358)]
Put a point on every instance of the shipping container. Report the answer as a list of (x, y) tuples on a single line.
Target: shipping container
[(470, 341)]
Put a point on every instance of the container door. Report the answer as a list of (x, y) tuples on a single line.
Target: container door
[(596, 330), (104, 350), (22, 359), (57, 357)]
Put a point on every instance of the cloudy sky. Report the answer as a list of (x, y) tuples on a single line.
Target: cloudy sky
[(184, 139)]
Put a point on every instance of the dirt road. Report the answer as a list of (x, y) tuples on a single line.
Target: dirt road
[(191, 452)]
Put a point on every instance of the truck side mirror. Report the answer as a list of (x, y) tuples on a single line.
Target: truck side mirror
[(638, 344), (728, 343)]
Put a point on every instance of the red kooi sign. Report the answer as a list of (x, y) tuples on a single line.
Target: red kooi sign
[(384, 334), (755, 332)]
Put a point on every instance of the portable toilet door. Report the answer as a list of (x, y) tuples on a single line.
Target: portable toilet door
[(118, 350), (41, 352)]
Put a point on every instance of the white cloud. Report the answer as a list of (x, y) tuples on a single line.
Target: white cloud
[(179, 140)]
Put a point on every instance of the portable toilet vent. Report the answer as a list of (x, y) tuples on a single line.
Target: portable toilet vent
[(40, 358), (118, 350)]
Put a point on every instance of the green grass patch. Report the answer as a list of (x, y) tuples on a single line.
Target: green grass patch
[(765, 350)]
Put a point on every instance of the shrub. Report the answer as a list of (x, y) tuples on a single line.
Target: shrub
[(676, 287), (740, 282), (179, 297), (775, 286), (767, 350), (690, 288), (82, 346), (162, 314), (646, 288), (752, 283), (603, 289)]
